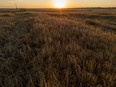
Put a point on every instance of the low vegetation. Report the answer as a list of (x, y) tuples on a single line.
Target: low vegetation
[(45, 49)]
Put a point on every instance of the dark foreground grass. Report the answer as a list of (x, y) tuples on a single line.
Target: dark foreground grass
[(45, 50)]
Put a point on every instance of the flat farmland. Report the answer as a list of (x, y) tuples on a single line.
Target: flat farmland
[(49, 48)]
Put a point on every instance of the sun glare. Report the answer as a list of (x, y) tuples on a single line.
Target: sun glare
[(60, 3)]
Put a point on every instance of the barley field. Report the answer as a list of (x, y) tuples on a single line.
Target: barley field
[(43, 48)]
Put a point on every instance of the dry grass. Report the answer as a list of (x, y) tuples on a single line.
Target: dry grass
[(44, 50)]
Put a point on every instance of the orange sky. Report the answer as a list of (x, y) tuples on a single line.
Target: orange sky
[(50, 3)]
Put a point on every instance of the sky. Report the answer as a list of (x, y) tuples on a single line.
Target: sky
[(50, 3)]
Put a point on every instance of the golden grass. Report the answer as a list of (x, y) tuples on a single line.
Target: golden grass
[(44, 50)]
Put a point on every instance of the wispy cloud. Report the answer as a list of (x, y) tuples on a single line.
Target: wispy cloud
[(14, 0)]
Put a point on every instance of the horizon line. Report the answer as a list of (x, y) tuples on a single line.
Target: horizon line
[(52, 7)]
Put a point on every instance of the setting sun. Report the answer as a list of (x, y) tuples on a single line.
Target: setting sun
[(59, 3)]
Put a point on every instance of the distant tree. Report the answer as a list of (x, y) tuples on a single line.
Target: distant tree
[(16, 5)]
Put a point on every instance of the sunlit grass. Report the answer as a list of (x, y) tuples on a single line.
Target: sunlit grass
[(39, 50)]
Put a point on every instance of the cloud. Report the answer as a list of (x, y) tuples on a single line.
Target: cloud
[(14, 0)]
